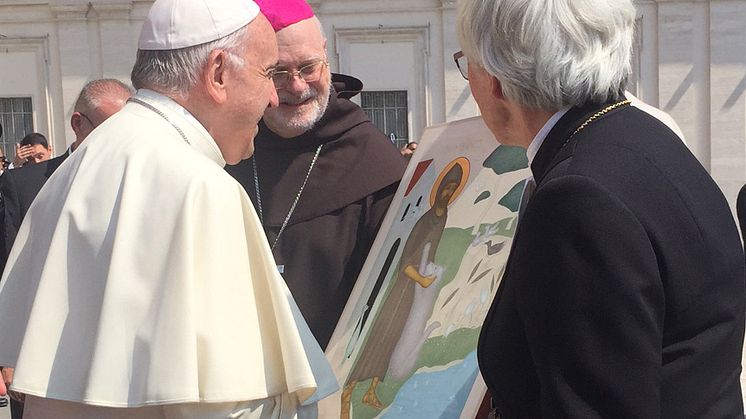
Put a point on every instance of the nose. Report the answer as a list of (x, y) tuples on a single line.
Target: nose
[(296, 84)]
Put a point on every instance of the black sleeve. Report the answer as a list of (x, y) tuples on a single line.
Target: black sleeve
[(375, 211), (10, 217), (591, 302)]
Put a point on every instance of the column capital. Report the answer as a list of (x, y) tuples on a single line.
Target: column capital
[(448, 4), (68, 11), (112, 10)]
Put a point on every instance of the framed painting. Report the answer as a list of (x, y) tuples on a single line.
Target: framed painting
[(405, 346)]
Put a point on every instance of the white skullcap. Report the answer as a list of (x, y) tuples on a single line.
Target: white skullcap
[(174, 24)]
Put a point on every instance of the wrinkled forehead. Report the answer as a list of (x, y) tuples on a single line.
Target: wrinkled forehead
[(260, 43)]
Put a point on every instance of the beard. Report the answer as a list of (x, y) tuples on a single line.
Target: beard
[(301, 118)]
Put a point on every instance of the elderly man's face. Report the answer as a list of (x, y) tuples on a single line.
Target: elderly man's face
[(302, 49), (251, 92)]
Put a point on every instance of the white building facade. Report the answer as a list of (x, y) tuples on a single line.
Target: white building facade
[(690, 62)]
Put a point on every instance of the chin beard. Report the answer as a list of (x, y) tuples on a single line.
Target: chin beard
[(309, 114)]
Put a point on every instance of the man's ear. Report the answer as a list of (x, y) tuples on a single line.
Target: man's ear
[(215, 74), (75, 122), (496, 88)]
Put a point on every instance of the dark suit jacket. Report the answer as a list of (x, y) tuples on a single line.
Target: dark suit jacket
[(18, 188), (624, 292)]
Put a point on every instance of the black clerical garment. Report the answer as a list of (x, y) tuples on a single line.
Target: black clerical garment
[(18, 189), (329, 234), (624, 293)]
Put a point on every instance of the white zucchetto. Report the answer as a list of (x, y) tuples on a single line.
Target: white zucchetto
[(175, 24)]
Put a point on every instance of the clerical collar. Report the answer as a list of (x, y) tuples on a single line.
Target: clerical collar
[(540, 136)]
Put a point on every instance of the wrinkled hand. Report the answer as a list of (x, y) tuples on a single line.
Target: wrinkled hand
[(22, 154)]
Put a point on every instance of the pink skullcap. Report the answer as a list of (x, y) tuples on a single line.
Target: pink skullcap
[(283, 13)]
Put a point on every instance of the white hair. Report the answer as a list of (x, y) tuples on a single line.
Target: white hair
[(548, 54), (95, 92), (175, 72)]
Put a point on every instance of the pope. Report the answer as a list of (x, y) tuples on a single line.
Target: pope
[(140, 283)]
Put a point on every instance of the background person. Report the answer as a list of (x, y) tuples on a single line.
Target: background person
[(33, 148), (624, 293)]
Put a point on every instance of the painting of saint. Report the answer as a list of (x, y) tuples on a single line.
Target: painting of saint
[(400, 315), (405, 345)]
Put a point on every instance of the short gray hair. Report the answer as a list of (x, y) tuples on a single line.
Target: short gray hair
[(175, 72), (95, 91), (548, 54)]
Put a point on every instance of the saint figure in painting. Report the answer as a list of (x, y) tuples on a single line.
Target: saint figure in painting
[(416, 268)]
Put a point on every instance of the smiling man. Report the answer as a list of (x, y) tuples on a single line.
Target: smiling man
[(322, 176)]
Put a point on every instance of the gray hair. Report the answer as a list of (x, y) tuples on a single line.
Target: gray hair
[(175, 72), (94, 92), (548, 54)]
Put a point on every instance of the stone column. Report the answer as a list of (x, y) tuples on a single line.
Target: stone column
[(117, 48), (684, 70), (75, 52), (458, 101), (728, 100)]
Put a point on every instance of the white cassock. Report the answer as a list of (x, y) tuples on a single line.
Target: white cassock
[(141, 277)]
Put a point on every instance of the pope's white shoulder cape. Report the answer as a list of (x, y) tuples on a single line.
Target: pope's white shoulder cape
[(141, 276)]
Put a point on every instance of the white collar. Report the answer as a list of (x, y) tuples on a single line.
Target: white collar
[(196, 134), (540, 136)]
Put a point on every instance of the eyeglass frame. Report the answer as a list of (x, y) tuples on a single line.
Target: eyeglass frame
[(464, 71), (291, 75)]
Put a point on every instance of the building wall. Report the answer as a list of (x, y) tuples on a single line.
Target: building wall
[(690, 62), (50, 49)]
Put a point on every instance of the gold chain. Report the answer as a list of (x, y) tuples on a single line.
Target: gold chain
[(599, 114)]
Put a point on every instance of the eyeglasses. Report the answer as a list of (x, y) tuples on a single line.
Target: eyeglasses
[(461, 64), (309, 73)]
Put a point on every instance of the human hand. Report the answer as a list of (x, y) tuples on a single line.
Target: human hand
[(22, 154), (408, 150)]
